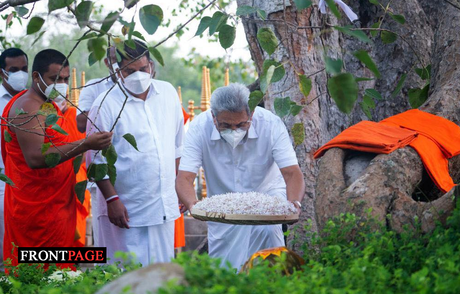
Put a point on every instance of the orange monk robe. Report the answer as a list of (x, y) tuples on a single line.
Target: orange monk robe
[(70, 126), (40, 208), (179, 228)]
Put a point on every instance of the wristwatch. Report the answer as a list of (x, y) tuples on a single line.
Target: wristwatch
[(298, 203)]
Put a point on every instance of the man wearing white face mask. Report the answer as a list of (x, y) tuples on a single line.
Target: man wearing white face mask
[(14, 73), (40, 209), (137, 213), (240, 152)]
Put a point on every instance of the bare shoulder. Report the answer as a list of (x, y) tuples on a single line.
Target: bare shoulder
[(27, 103)]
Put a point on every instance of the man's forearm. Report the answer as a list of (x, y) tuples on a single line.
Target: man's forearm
[(295, 184), (106, 187), (185, 190)]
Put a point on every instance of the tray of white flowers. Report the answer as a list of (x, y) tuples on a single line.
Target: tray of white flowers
[(251, 208)]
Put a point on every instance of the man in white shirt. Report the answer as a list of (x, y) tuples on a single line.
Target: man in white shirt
[(240, 152), (14, 73), (93, 88), (137, 213)]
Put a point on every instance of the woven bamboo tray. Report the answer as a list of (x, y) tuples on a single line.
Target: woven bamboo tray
[(244, 219)]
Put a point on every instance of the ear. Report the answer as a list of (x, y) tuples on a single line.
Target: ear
[(35, 77)]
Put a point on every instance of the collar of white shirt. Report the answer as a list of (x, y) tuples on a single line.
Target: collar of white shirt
[(4, 92), (252, 134), (152, 91)]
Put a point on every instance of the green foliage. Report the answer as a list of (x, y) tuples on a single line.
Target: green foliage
[(131, 140), (97, 172), (267, 40), (298, 133), (5, 179), (58, 4), (150, 17), (344, 90), (364, 57), (35, 24), (284, 107), (399, 86), (302, 4), (333, 66), (157, 55), (218, 19), (424, 73), (58, 129), (77, 163), (7, 136), (83, 12), (204, 24), (360, 35), (418, 96), (52, 159), (279, 70), (398, 17), (80, 189), (254, 99), (388, 37), (109, 21), (304, 85), (227, 36)]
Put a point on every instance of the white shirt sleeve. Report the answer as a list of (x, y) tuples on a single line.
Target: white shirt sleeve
[(179, 128), (282, 151), (192, 156), (88, 95)]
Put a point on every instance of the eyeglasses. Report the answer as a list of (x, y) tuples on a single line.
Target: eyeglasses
[(242, 125)]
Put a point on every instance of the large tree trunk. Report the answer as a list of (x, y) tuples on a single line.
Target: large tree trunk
[(384, 182)]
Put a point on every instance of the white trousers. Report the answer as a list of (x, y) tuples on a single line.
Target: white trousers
[(151, 244), (236, 243)]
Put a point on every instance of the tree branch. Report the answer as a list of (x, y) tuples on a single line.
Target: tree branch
[(12, 3)]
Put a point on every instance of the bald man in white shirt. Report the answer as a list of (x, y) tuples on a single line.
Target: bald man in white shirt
[(239, 151)]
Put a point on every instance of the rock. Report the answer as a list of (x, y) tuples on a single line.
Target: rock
[(145, 280)]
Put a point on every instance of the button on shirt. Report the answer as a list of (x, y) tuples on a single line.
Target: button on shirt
[(254, 165), (146, 178), (5, 97), (91, 91)]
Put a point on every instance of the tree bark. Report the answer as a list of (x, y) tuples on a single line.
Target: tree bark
[(384, 182)]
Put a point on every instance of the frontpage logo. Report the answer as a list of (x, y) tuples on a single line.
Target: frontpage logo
[(62, 255)]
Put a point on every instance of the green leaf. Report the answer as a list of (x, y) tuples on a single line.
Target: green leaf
[(418, 96), (109, 21), (360, 79), (130, 3), (366, 110), (51, 119), (388, 37), (227, 36), (263, 82), (5, 179), (7, 137), (34, 25), (364, 57), (58, 4), (262, 14), (298, 133), (112, 172), (58, 129), (97, 172), (399, 86), (157, 55), (254, 99), (333, 8), (424, 73), (92, 59), (80, 189), (344, 90), (279, 69), (375, 2), (83, 12), (97, 46), (269, 75), (304, 85), (37, 38), (88, 36), (21, 10), (204, 24), (369, 101), (375, 26), (373, 93), (360, 35), (52, 159), (333, 66), (151, 16), (131, 140), (302, 4), (111, 155), (282, 106), (398, 17), (45, 147), (295, 109), (77, 163), (139, 35), (267, 40), (245, 10), (218, 19)]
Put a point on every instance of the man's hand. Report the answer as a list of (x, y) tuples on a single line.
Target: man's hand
[(297, 206), (118, 215), (99, 141)]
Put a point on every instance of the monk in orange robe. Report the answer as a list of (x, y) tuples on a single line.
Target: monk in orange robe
[(40, 204)]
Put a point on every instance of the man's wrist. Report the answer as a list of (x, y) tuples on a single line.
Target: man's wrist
[(112, 199), (297, 203)]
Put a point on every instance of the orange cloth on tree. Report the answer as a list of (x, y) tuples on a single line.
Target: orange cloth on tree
[(438, 140), (40, 208), (70, 126), (368, 136)]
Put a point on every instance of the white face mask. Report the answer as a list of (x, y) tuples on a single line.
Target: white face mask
[(17, 80), (54, 90), (61, 102), (233, 137), (137, 82)]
